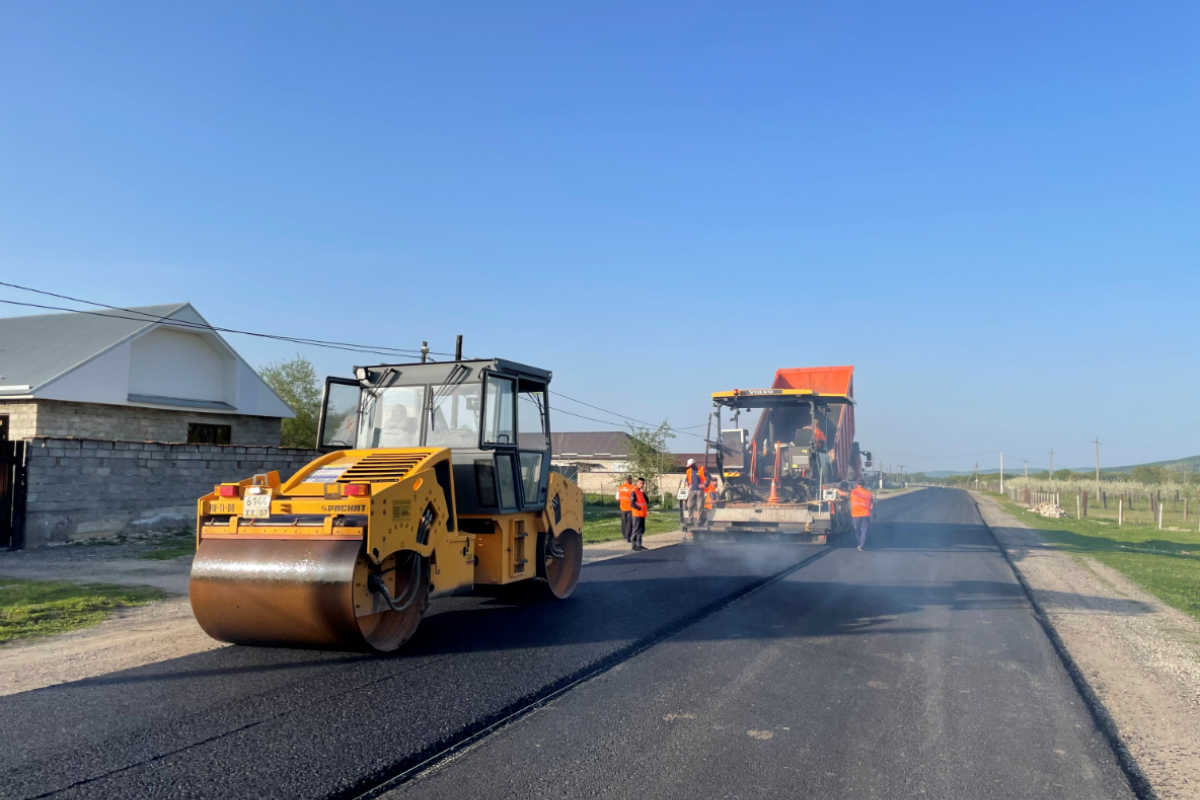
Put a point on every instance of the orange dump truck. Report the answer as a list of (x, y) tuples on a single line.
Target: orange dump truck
[(790, 479)]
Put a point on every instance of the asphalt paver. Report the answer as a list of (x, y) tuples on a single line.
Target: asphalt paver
[(915, 668)]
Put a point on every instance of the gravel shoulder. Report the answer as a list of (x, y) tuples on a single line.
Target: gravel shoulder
[(1141, 657)]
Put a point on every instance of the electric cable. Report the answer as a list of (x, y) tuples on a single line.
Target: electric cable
[(334, 345)]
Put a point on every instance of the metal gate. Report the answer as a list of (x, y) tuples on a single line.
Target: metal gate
[(12, 495)]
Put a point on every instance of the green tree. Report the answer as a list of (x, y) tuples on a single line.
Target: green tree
[(648, 454), (1062, 475), (296, 382), (1149, 475)]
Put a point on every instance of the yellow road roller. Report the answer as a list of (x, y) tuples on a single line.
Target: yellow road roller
[(435, 479)]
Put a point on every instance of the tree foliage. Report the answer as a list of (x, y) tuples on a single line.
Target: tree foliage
[(296, 382), (648, 454)]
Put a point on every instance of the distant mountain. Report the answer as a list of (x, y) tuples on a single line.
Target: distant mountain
[(1194, 461)]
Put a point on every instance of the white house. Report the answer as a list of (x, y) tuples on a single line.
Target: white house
[(152, 373)]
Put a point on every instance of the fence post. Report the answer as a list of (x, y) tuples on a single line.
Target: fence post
[(1120, 511), (1160, 515), (1078, 507), (1085, 501)]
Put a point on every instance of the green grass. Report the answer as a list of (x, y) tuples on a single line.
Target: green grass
[(175, 547), (43, 608), (603, 523), (1164, 563)]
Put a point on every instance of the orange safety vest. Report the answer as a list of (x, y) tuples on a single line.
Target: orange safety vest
[(638, 503), (623, 495), (710, 496), (703, 477), (861, 502)]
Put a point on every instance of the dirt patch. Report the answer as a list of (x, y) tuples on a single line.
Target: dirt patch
[(132, 638), (1140, 657)]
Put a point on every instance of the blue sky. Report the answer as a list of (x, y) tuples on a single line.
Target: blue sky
[(990, 209)]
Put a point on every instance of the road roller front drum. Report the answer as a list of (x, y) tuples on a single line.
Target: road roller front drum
[(306, 593)]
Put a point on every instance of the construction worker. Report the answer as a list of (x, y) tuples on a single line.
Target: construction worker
[(818, 434), (862, 504), (697, 481), (639, 508), (626, 515), (710, 496)]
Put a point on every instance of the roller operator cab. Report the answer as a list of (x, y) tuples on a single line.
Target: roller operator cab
[(435, 478)]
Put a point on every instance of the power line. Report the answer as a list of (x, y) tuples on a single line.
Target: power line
[(941, 455), (334, 345), (374, 349)]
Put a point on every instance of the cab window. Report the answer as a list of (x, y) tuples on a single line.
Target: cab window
[(499, 427)]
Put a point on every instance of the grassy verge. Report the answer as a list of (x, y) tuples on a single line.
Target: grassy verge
[(1164, 563), (603, 523), (41, 608), (175, 547)]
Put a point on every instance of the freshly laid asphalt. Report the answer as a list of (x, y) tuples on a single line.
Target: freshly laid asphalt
[(914, 668)]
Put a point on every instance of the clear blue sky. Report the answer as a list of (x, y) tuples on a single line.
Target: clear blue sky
[(991, 209)]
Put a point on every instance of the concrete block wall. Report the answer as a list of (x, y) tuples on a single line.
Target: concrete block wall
[(60, 418), (22, 419), (607, 483), (92, 488)]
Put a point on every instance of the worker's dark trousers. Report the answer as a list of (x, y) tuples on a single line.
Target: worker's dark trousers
[(860, 529), (626, 525), (638, 530)]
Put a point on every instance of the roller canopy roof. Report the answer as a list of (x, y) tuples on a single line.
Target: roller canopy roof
[(460, 371)]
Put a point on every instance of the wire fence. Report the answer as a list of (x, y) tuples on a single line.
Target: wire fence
[(1138, 505)]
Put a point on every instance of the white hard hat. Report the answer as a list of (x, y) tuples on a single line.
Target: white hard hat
[(691, 461)]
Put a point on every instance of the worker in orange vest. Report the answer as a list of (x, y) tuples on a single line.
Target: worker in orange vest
[(862, 504), (696, 479), (818, 434), (710, 495), (639, 507), (626, 514)]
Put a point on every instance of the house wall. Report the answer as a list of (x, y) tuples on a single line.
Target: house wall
[(22, 419), (60, 418), (89, 488)]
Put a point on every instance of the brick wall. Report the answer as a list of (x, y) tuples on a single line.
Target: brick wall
[(89, 488), (60, 418), (22, 419)]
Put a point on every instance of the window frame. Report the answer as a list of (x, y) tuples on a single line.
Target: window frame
[(486, 376), (321, 446)]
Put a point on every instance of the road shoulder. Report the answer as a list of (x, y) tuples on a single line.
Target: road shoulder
[(1139, 656)]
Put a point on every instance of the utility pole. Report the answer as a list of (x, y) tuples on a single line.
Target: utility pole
[(1097, 443), (1027, 469), (1001, 472), (1051, 463)]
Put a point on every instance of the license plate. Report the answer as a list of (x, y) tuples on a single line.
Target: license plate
[(257, 506)]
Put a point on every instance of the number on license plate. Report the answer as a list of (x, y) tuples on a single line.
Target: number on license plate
[(257, 506)]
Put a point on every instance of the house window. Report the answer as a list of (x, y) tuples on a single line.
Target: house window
[(208, 434), (3, 428)]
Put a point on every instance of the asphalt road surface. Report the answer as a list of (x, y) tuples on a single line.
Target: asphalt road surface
[(915, 668)]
